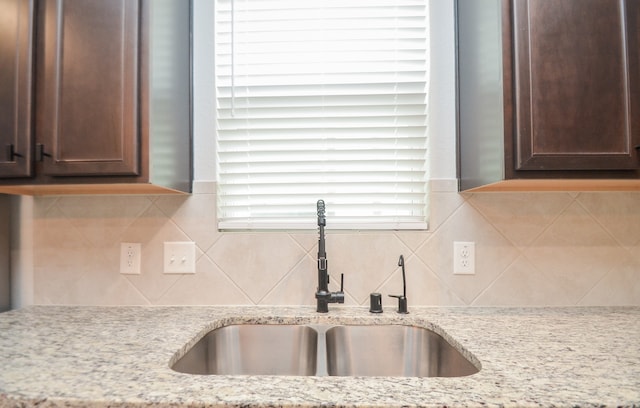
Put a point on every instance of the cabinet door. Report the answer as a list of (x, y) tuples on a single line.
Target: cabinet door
[(87, 87), (16, 21), (576, 84)]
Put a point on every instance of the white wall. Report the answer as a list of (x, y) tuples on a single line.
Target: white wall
[(203, 91), (22, 251), (442, 101)]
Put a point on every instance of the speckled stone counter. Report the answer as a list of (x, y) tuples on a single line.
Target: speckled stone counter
[(55, 356)]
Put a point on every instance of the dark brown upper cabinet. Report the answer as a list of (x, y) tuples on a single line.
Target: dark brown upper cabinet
[(111, 85), (549, 94), (87, 95), (16, 81)]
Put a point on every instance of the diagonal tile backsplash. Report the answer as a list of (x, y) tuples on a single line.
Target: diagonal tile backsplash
[(575, 252), (532, 249)]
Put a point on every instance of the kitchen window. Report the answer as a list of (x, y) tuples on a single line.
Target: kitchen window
[(321, 100)]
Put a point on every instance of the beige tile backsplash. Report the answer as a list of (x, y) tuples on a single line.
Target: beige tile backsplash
[(532, 249)]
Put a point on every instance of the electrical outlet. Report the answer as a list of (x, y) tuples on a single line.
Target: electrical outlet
[(130, 257), (179, 257), (464, 258)]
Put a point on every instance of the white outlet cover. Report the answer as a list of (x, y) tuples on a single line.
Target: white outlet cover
[(180, 257), (130, 258), (464, 258)]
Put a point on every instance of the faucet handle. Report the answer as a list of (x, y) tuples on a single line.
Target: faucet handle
[(402, 303)]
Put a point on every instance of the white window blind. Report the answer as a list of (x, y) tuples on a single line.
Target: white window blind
[(322, 99)]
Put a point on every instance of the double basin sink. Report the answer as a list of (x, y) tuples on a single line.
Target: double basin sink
[(321, 350)]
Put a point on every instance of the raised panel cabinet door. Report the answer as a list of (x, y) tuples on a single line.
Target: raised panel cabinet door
[(87, 95), (16, 50), (576, 84)]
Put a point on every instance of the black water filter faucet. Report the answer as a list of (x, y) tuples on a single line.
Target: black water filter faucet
[(402, 299)]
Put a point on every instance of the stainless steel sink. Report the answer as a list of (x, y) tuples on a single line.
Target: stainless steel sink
[(393, 351), (253, 350), (320, 350)]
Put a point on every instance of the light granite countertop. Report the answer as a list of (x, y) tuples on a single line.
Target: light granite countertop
[(56, 356)]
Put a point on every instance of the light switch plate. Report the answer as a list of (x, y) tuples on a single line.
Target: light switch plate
[(179, 257)]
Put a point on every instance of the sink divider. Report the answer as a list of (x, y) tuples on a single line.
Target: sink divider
[(321, 350)]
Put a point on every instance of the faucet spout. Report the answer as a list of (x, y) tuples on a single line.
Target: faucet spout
[(323, 295)]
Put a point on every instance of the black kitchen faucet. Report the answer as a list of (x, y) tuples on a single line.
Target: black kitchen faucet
[(323, 296)]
